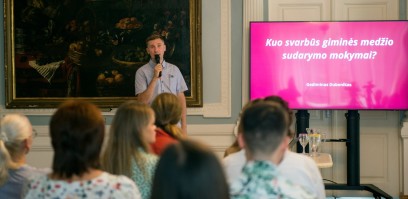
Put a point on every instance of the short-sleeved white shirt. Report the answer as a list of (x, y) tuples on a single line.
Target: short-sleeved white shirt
[(171, 81), (297, 168)]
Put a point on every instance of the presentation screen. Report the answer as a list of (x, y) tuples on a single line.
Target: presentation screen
[(354, 65)]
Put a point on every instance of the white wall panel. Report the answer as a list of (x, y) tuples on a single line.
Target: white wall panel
[(41, 153), (374, 157), (218, 137), (380, 149), (365, 9), (299, 10)]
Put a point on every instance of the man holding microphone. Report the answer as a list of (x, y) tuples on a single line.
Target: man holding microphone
[(159, 76)]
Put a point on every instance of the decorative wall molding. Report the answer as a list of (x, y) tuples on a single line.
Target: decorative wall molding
[(253, 11), (4, 111), (217, 136), (374, 115), (375, 162), (316, 115), (299, 10), (222, 108), (365, 9), (210, 130), (41, 149)]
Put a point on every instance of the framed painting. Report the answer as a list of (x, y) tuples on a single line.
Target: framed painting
[(91, 49)]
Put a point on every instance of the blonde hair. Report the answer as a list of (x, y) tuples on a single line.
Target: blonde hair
[(126, 139), (14, 129), (168, 110)]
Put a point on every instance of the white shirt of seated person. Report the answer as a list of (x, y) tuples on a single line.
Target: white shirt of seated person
[(298, 168)]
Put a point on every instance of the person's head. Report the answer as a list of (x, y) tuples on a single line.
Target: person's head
[(77, 131), (16, 137), (284, 104), (132, 129), (264, 128), (188, 170), (236, 145), (246, 106), (168, 110), (155, 46)]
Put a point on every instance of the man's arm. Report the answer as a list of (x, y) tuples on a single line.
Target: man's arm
[(182, 99), (146, 95)]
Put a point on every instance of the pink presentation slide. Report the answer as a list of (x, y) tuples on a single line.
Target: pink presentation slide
[(331, 65)]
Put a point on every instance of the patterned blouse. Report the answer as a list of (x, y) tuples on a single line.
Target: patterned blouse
[(144, 181), (105, 186), (260, 179)]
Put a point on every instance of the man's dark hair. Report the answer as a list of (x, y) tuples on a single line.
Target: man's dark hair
[(153, 37), (264, 127), (285, 106)]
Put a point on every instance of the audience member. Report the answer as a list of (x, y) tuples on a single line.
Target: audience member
[(16, 138), (265, 140), (189, 170), (77, 131), (168, 112), (298, 168), (127, 150)]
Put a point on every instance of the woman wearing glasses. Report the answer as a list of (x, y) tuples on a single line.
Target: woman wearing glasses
[(16, 138)]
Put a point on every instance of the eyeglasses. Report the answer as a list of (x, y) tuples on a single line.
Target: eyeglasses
[(35, 133)]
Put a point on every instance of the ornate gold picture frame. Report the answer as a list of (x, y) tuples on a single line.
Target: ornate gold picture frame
[(91, 49)]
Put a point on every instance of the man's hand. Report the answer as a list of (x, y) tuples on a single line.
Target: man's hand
[(157, 69)]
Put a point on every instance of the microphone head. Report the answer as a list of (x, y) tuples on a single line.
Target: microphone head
[(157, 58)]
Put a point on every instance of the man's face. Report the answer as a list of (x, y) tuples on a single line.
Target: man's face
[(156, 46)]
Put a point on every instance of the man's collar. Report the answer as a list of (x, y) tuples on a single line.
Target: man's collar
[(153, 63)]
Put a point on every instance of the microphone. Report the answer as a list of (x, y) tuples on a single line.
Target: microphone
[(157, 59)]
